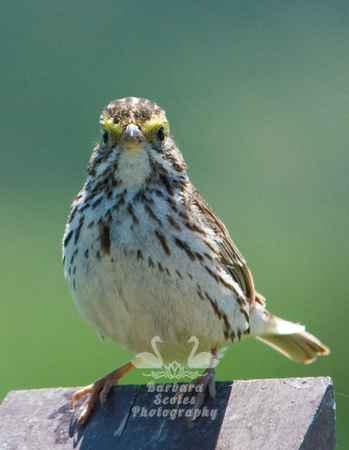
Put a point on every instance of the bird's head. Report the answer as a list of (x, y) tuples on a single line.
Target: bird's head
[(135, 136), (132, 121)]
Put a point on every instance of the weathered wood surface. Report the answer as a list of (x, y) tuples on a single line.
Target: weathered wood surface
[(294, 413)]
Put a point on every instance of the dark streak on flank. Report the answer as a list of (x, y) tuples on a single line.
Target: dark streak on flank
[(151, 214), (104, 237), (159, 193), (194, 227), (199, 291), (184, 246), (139, 255), (122, 201), (140, 196), (165, 179), (214, 305), (77, 231), (241, 301), (173, 223), (96, 203), (163, 241), (82, 209), (74, 254), (132, 214), (183, 214), (213, 275), (228, 286), (171, 201), (210, 246), (108, 216), (72, 214), (227, 326), (68, 237), (199, 256), (219, 314)]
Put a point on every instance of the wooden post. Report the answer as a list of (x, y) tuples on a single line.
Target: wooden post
[(294, 413)]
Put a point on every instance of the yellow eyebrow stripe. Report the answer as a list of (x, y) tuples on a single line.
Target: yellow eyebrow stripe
[(153, 124), (109, 124)]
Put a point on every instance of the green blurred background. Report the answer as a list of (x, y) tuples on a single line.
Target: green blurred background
[(257, 98)]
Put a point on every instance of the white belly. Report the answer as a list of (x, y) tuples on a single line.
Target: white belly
[(137, 291)]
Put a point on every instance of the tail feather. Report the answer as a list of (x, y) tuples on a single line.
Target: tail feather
[(301, 347), (289, 338)]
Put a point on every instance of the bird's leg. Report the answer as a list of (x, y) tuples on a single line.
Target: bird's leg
[(101, 386), (206, 382)]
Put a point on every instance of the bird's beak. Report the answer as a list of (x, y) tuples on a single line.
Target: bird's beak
[(132, 136)]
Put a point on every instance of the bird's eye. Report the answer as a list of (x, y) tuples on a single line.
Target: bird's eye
[(105, 136), (161, 133)]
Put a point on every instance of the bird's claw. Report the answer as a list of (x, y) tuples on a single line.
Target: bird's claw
[(206, 382), (81, 393), (99, 388)]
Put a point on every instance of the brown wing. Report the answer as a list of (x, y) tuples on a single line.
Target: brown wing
[(231, 258)]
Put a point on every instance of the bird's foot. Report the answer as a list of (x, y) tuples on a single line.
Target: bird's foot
[(202, 384), (100, 388)]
